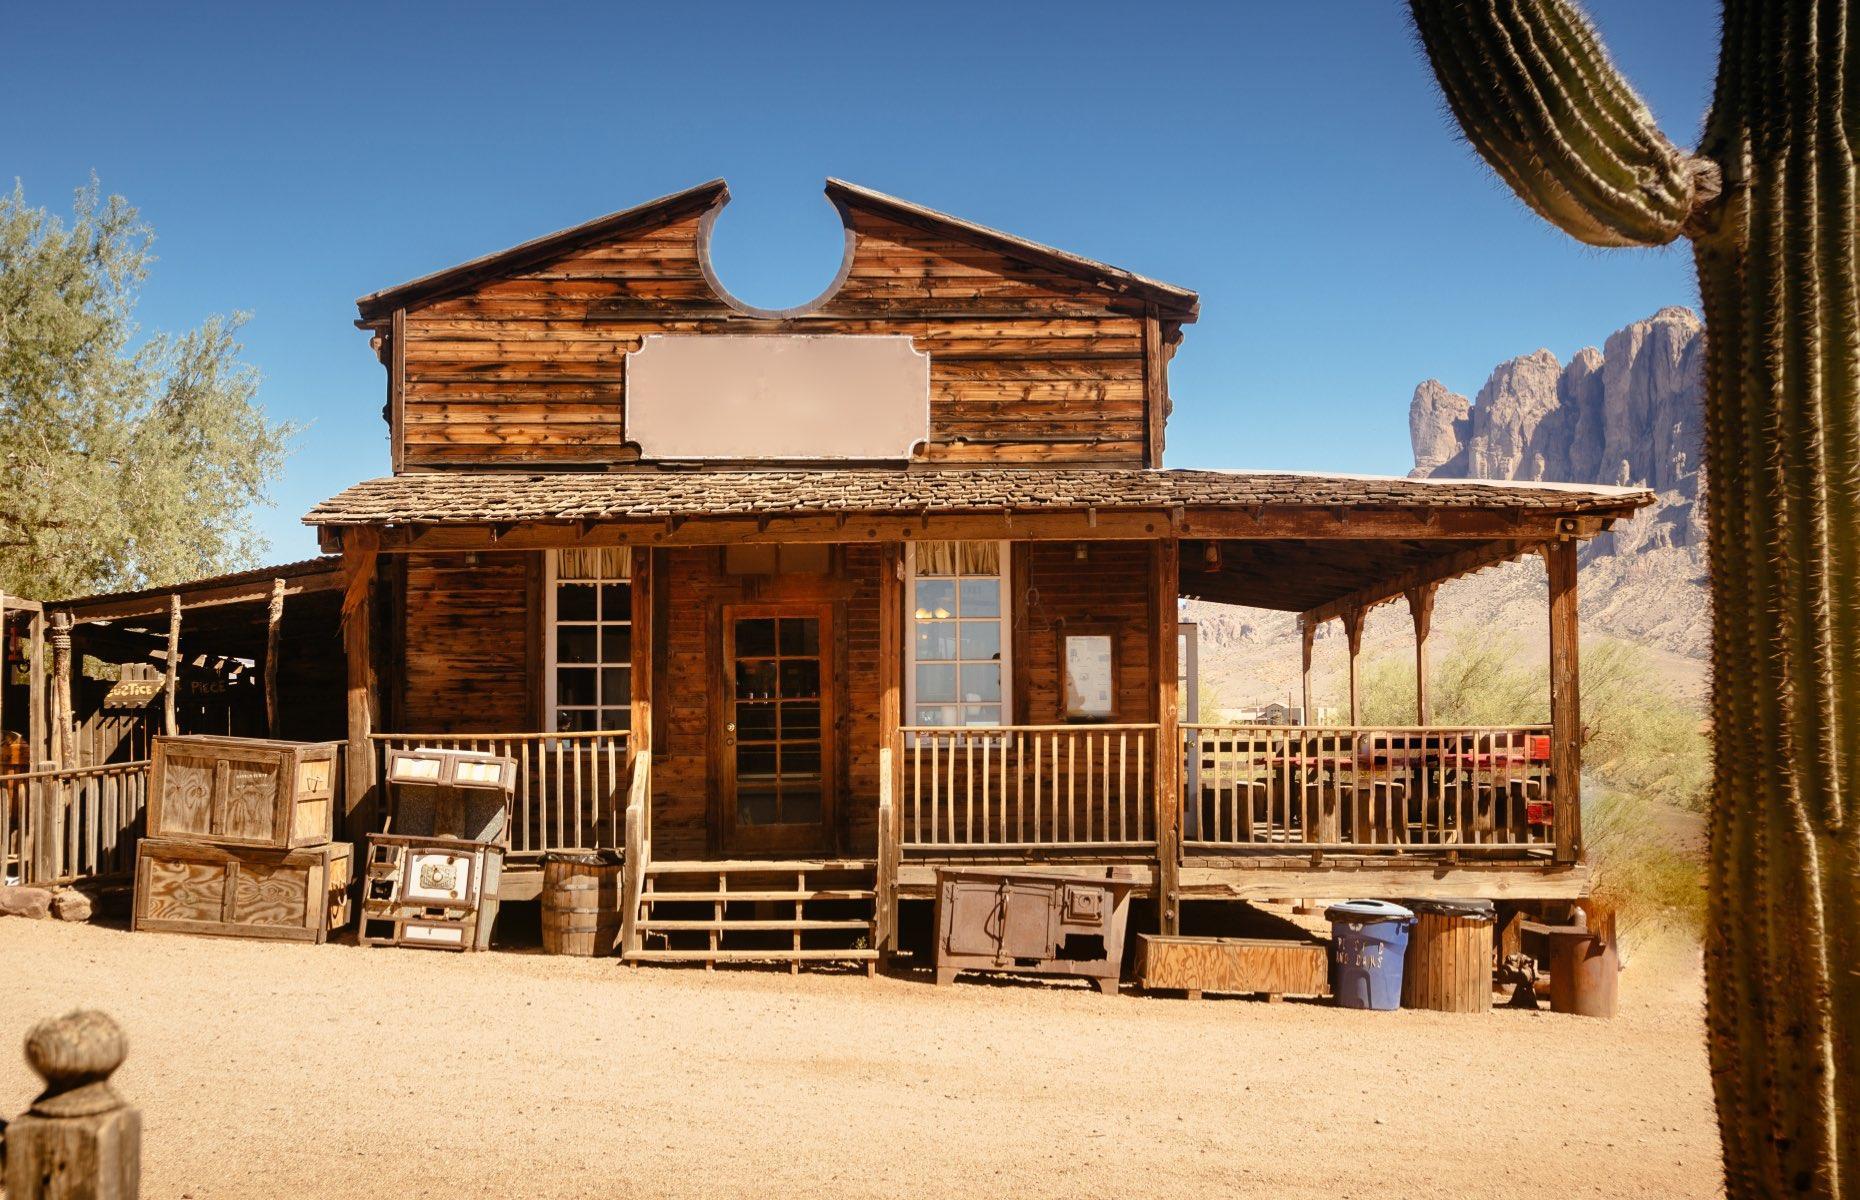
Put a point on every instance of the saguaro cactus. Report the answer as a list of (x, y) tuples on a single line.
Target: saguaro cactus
[(1768, 201)]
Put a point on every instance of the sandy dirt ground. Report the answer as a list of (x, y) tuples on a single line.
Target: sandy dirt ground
[(332, 1071)]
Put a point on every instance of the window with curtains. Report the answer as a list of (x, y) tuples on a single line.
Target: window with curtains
[(957, 643), (588, 621)]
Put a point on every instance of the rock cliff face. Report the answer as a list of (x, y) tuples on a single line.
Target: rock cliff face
[(1629, 413)]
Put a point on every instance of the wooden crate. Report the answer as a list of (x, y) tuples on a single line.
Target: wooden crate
[(1274, 967), (288, 895), (243, 791)]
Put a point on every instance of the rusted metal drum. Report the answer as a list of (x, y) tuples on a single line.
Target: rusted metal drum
[(1585, 973), (1449, 962), (581, 904)]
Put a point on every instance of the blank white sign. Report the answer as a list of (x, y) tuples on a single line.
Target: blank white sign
[(781, 396)]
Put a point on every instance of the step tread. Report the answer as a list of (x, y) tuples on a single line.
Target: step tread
[(653, 925), (762, 866), (704, 897), (810, 955)]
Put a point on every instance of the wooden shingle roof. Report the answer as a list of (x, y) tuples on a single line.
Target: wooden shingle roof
[(460, 497)]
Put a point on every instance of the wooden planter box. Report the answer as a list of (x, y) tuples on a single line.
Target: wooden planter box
[(287, 895), (243, 791), (1245, 966)]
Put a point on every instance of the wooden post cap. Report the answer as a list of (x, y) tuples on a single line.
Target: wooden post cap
[(76, 1054)]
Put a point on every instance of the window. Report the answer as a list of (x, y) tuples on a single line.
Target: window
[(589, 652), (957, 641)]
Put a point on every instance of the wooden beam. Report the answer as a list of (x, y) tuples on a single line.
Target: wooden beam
[(274, 626), (1353, 630), (1307, 638), (1164, 575), (170, 720), (397, 384), (251, 591), (37, 725), (358, 566), (1111, 524), (891, 603), (639, 738), (1422, 878), (1565, 702), (1155, 391), (1421, 608), (1447, 566)]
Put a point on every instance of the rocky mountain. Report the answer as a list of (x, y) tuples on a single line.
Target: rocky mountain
[(1629, 413)]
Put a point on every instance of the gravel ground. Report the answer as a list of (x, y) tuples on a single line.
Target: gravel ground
[(332, 1071)]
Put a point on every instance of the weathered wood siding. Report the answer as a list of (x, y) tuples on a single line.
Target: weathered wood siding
[(1107, 591), (466, 644), (686, 768), (1026, 365)]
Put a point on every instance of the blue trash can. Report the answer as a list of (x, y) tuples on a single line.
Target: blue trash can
[(1367, 941)]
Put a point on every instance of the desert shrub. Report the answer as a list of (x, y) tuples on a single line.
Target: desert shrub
[(1647, 754)]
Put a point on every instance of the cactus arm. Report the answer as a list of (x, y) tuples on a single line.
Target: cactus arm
[(1535, 94)]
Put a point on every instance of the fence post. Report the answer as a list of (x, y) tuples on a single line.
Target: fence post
[(79, 1140)]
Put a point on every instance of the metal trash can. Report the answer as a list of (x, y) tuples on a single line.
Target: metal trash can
[(1585, 972), (1448, 966), (1367, 941)]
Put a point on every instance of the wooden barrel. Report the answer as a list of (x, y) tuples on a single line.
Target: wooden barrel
[(1448, 967), (581, 902)]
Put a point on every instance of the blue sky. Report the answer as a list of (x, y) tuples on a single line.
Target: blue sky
[(1288, 160)]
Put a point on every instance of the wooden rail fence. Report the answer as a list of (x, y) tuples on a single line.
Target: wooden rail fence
[(1474, 789), (571, 787), (61, 825), (1024, 787)]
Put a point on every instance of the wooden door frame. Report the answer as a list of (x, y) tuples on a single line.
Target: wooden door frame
[(792, 839)]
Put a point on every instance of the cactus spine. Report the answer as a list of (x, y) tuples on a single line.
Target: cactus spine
[(1769, 204)]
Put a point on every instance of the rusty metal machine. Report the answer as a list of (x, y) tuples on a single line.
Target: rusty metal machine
[(1024, 922), (433, 874)]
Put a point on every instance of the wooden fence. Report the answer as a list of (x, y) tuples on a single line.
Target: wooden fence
[(1027, 787), (571, 787), (57, 826), (1476, 789)]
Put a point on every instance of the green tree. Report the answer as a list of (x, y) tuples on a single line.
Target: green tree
[(128, 461)]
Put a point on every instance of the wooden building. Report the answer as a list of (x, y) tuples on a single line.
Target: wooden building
[(794, 606)]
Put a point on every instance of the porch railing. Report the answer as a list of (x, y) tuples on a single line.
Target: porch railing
[(62, 825), (571, 787), (1479, 790), (1027, 787)]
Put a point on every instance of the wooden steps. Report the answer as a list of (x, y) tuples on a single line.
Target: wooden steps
[(758, 910)]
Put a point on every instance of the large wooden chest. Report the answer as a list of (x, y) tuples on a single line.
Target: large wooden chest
[(243, 791), (1273, 967), (289, 895)]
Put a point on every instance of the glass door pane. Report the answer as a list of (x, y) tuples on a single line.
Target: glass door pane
[(777, 714)]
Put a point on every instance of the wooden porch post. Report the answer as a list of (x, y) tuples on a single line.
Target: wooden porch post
[(36, 722), (1353, 630), (274, 621), (170, 723), (358, 569), (46, 797), (1565, 703), (1307, 636), (1421, 608), (1165, 581), (639, 731), (890, 765)]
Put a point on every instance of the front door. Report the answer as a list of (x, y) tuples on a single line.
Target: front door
[(778, 721)]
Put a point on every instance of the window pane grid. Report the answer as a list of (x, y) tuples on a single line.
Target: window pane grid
[(957, 637), (591, 601)]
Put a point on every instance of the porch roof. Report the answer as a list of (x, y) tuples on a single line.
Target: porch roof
[(480, 497)]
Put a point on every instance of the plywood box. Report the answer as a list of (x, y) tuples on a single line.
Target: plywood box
[(243, 791), (1242, 965), (287, 895)]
